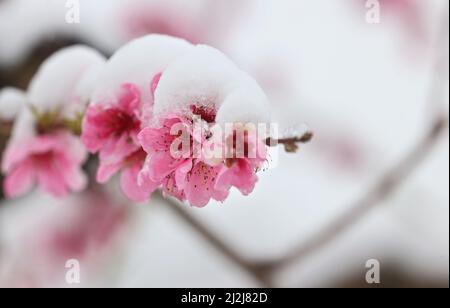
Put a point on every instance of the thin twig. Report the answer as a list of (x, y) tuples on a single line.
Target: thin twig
[(291, 143), (183, 211)]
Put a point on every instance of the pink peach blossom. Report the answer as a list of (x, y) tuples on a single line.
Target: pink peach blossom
[(194, 178), (165, 167), (52, 161), (241, 170), (43, 147), (111, 129)]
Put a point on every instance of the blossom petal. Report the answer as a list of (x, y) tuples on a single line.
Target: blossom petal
[(200, 187), (52, 181), (131, 187), (105, 172), (19, 181), (241, 176)]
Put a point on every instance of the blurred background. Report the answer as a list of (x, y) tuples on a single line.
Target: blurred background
[(373, 184)]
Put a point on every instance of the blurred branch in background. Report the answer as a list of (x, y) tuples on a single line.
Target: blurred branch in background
[(182, 211), (396, 176), (381, 191), (384, 189)]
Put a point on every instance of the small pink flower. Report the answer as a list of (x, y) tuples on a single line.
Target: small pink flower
[(241, 170), (44, 148), (188, 177), (199, 184), (51, 161), (157, 143), (111, 129)]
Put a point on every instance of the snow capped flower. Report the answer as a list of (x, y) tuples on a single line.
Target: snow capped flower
[(192, 93), (121, 103), (113, 133), (111, 128), (43, 148)]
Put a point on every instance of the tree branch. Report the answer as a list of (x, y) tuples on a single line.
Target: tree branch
[(397, 175), (381, 191), (183, 212)]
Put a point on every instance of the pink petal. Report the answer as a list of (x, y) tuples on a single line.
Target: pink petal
[(94, 131), (131, 188), (116, 150), (155, 83), (130, 99), (200, 187), (72, 147), (170, 188), (161, 164), (76, 179), (17, 151), (105, 172), (241, 176), (157, 139), (52, 181), (182, 172), (151, 140), (20, 180)]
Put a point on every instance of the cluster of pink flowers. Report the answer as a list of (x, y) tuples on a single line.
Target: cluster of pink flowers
[(132, 104)]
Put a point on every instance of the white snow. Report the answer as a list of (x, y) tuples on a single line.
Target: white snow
[(247, 103), (206, 77), (11, 101), (24, 126), (62, 79), (138, 62), (65, 80)]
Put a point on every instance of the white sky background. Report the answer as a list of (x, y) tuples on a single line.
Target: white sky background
[(351, 82)]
